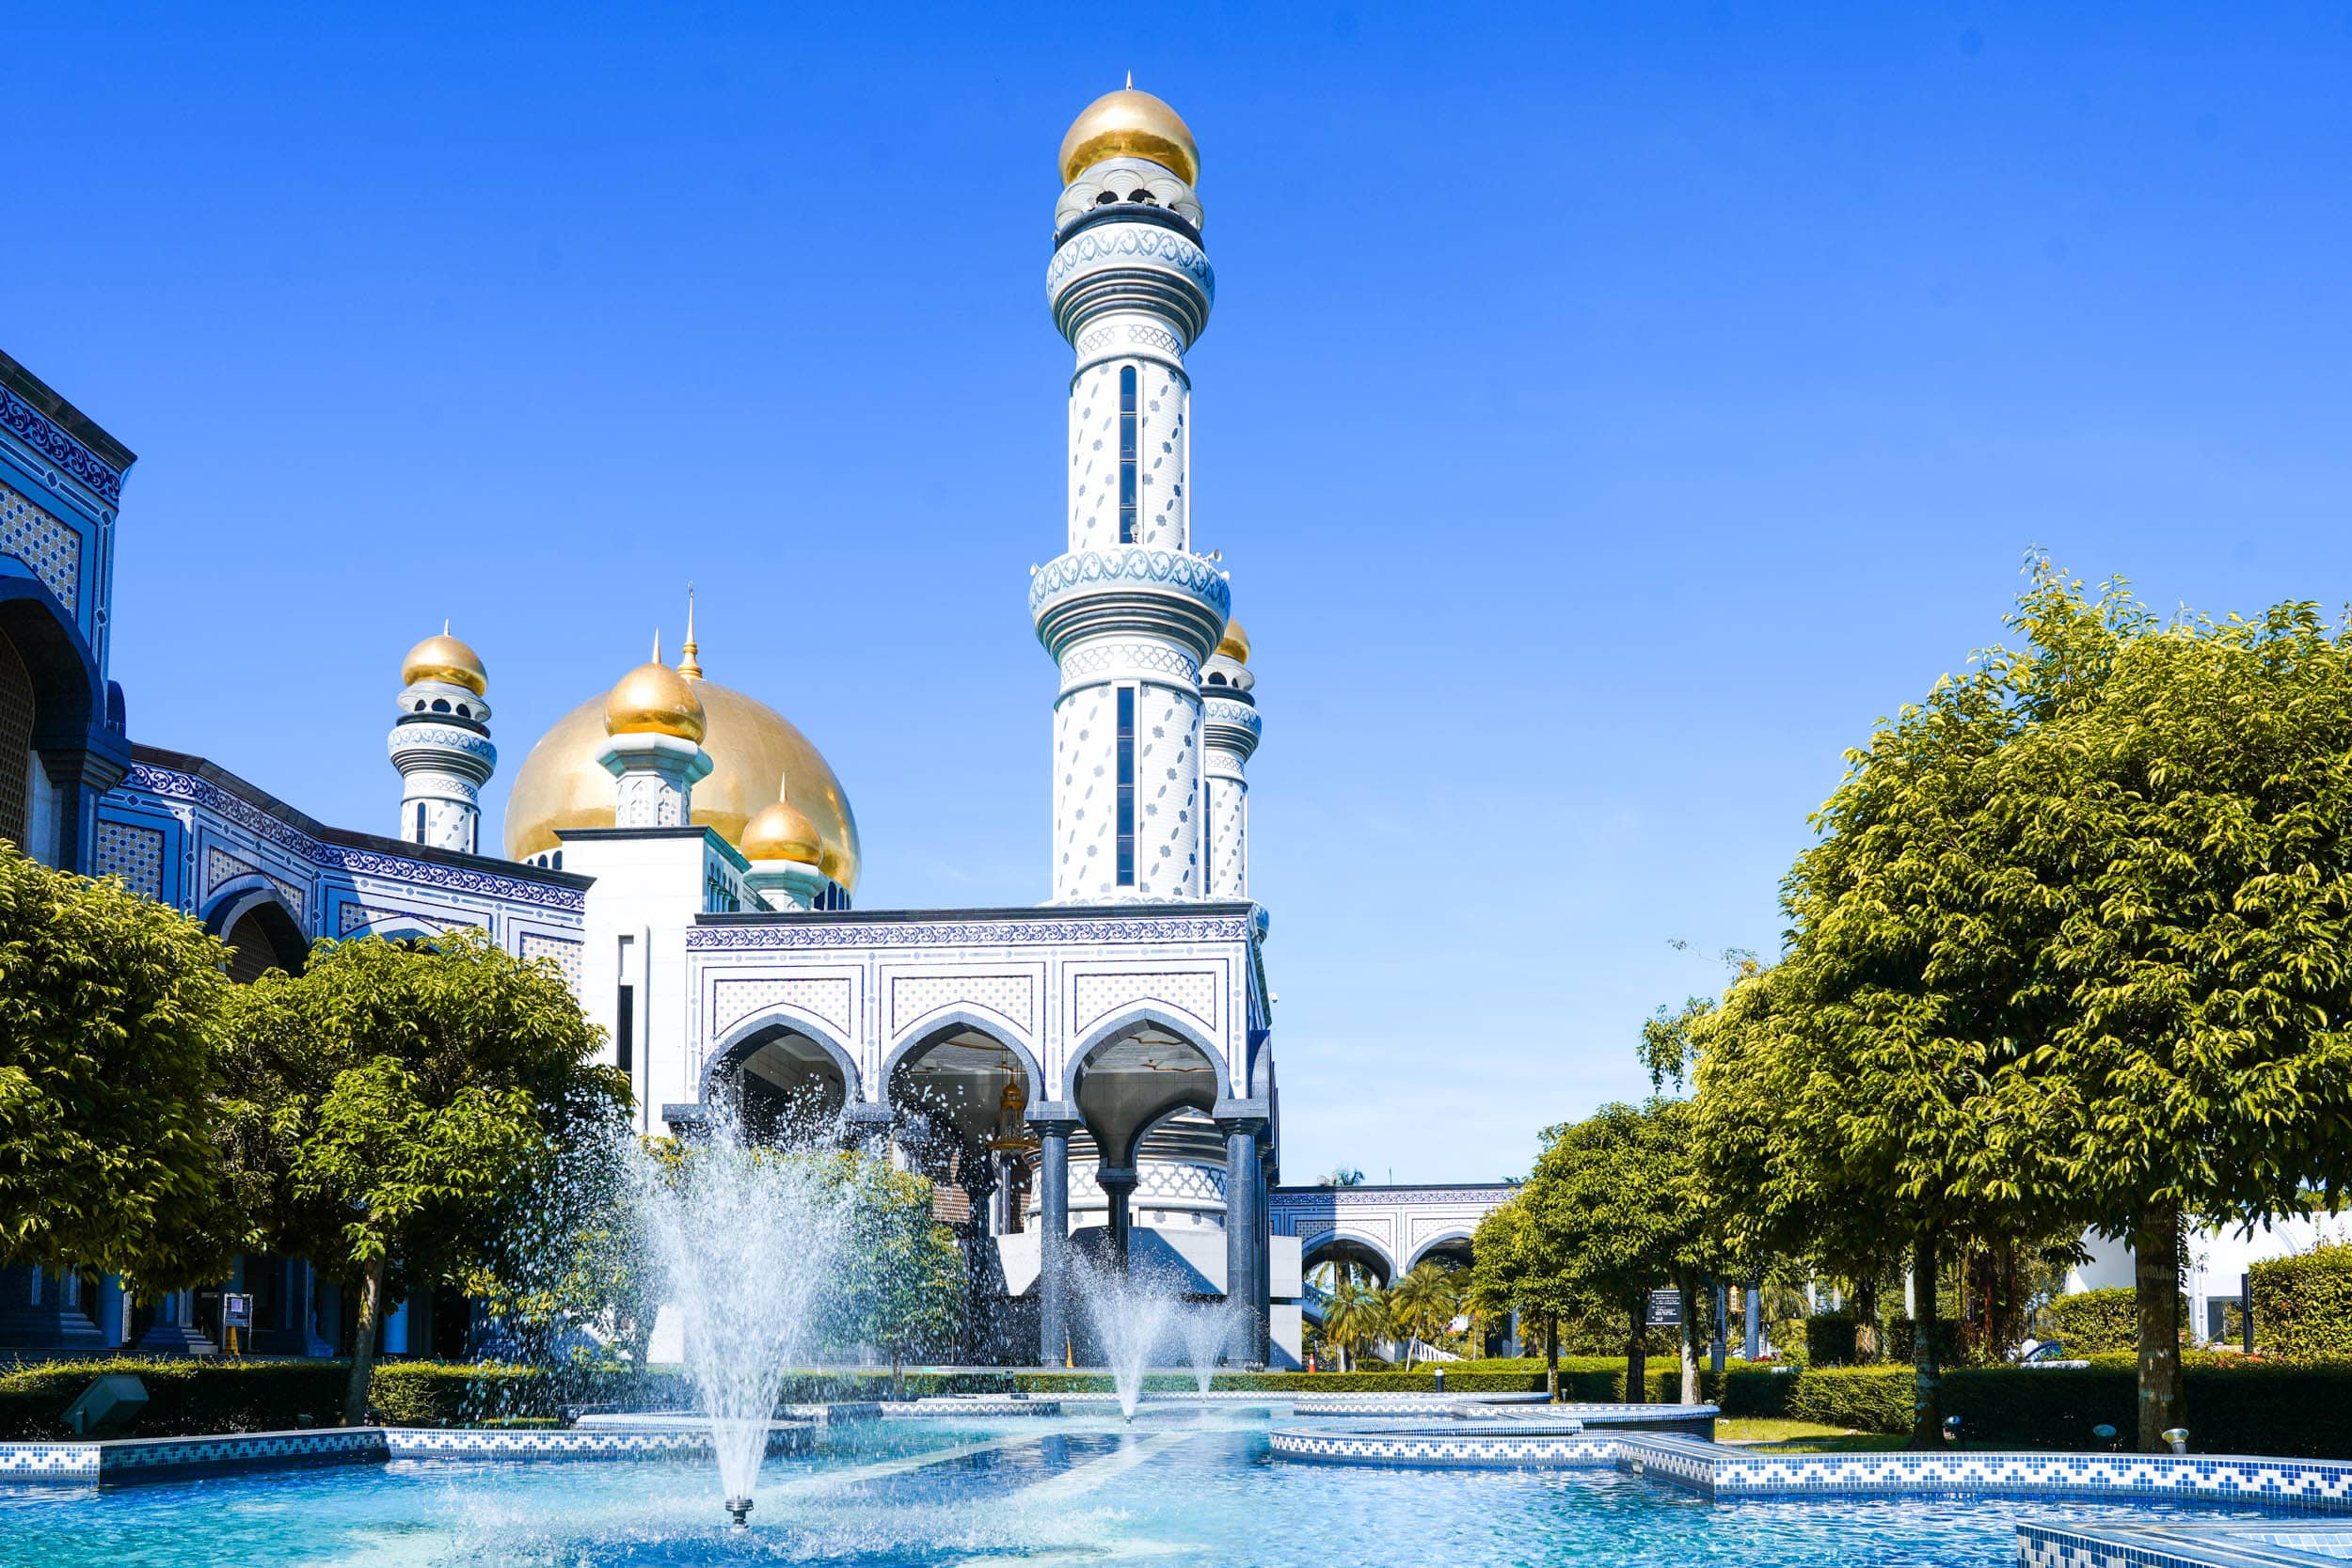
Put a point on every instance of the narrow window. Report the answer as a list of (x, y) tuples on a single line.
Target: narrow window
[(1126, 786), (1127, 455), (419, 822), (624, 1033)]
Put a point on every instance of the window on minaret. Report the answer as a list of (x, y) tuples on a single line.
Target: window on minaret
[(419, 822), (1126, 786), (1127, 455)]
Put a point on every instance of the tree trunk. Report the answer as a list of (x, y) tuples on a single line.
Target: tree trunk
[(1927, 1394), (363, 1344), (1637, 1356), (1551, 1356), (2156, 1281), (1865, 1321), (898, 1373), (1690, 1296)]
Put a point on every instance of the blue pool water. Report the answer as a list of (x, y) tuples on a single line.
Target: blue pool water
[(1180, 1488)]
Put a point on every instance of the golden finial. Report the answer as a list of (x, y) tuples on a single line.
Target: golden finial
[(689, 662)]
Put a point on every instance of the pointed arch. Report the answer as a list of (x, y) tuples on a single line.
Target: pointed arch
[(753, 1032), (934, 1027), (1124, 1022)]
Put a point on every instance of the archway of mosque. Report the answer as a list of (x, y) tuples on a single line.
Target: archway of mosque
[(786, 1085)]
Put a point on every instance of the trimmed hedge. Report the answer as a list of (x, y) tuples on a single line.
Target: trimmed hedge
[(1952, 1341), (2303, 1305), (1867, 1398), (185, 1397), (1829, 1340), (2090, 1321)]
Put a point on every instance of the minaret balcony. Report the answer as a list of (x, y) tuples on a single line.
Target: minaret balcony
[(1131, 592), (1132, 261)]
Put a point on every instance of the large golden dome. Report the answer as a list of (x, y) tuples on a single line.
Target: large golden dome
[(1130, 124), (750, 745)]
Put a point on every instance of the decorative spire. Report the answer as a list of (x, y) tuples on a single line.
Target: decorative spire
[(657, 645), (689, 662)]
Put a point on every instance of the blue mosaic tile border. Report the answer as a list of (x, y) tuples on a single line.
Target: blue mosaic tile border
[(648, 1442), (1719, 1471), (123, 1461), (2249, 1543), (948, 1406)]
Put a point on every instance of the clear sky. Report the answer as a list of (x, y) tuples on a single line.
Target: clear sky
[(1609, 412)]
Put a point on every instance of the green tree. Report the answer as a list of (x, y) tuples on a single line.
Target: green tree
[(395, 1106), (2170, 834), (1352, 1317), (112, 1028), (1615, 1210), (903, 1288), (1420, 1305)]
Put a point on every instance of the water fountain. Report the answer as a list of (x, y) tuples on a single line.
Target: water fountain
[(1129, 1313), (1205, 1326), (745, 1237)]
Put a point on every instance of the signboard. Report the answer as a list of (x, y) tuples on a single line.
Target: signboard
[(237, 1310), (1666, 1309)]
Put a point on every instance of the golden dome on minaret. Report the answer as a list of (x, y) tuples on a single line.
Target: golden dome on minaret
[(781, 832), (443, 657), (1236, 645), (562, 785), (1130, 124), (653, 699)]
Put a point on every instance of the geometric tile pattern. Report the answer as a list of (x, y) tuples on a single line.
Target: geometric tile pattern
[(972, 933), (564, 952), (2236, 1544), (1728, 1472), (1099, 996), (51, 548), (352, 916), (30, 425), (733, 1000), (577, 1442), (133, 853), (221, 866), (1012, 996)]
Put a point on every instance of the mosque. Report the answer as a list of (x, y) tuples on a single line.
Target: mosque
[(1093, 1074)]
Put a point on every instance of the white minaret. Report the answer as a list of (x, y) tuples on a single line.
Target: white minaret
[(1229, 729), (441, 744), (1129, 612)]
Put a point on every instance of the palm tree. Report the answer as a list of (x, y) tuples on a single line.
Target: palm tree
[(1351, 1316), (1423, 1304)]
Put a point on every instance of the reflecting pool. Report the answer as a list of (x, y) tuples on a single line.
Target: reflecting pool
[(1179, 1486)]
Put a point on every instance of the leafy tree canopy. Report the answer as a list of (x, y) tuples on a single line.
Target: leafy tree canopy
[(112, 1032)]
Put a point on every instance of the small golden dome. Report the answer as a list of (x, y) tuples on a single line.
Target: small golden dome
[(1130, 124), (781, 832), (1236, 644), (653, 699), (443, 657)]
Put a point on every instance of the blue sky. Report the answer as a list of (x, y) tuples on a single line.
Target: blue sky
[(1609, 412)]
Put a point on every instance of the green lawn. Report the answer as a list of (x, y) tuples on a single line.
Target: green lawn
[(1782, 1435)]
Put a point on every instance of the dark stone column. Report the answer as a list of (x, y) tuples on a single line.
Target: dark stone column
[(1752, 1297), (1118, 1187), (1244, 1232), (1053, 1242)]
